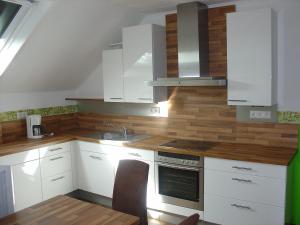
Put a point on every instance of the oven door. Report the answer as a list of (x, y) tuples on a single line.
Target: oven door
[(180, 185)]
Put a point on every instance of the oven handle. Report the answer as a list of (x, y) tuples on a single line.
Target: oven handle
[(179, 167)]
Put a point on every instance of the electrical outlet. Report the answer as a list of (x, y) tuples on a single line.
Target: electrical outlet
[(155, 110), (21, 115), (260, 115)]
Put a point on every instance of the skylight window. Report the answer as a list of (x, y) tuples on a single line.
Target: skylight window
[(8, 11), (18, 18)]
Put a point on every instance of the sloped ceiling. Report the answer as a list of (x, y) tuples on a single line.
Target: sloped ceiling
[(66, 46)]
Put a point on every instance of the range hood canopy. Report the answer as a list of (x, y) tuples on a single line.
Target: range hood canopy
[(192, 29)]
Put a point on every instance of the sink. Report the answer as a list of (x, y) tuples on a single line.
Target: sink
[(116, 137)]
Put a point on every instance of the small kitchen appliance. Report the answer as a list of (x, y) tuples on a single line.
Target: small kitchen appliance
[(34, 127)]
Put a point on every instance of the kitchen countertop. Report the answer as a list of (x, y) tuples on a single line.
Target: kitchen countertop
[(233, 151)]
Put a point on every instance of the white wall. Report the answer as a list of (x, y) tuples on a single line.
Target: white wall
[(32, 100), (92, 86)]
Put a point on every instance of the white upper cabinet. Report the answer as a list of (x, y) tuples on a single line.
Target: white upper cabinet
[(144, 59), (251, 56), (113, 75)]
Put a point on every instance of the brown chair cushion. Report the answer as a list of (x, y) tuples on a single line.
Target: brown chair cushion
[(191, 220), (130, 189)]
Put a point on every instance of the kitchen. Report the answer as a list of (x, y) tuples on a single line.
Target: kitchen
[(218, 143)]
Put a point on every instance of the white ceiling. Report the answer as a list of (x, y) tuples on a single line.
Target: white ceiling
[(67, 44)]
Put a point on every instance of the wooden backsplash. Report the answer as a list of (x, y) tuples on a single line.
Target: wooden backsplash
[(14, 130), (197, 113)]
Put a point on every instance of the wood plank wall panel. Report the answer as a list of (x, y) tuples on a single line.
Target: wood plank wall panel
[(217, 42), (200, 113), (14, 130)]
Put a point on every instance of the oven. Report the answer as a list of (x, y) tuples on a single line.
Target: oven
[(180, 179)]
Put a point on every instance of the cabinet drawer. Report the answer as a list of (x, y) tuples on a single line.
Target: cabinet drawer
[(228, 211), (59, 184), (138, 154), (54, 149), (55, 164), (97, 148), (19, 158), (242, 167), (245, 187)]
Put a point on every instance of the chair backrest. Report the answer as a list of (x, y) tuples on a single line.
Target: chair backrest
[(130, 189), (191, 220)]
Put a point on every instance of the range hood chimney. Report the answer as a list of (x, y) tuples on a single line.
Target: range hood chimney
[(192, 35)]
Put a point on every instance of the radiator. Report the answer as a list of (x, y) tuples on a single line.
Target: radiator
[(6, 192)]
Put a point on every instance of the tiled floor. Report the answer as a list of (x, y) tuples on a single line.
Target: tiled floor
[(157, 222)]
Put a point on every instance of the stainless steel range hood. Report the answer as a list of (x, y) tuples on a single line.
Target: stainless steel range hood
[(192, 28)]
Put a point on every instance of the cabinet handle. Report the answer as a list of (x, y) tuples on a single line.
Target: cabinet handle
[(242, 180), (146, 99), (242, 168), (237, 100), (115, 98), (59, 178), (241, 206), (57, 158), (135, 154), (95, 157), (55, 149)]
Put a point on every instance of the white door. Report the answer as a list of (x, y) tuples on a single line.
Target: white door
[(249, 58), (95, 173), (138, 63), (113, 75), (27, 184)]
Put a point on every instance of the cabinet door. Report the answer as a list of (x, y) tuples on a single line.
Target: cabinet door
[(27, 184), (249, 58), (138, 63), (113, 75), (95, 173)]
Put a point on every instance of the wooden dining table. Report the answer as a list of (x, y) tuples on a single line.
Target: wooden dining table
[(63, 210)]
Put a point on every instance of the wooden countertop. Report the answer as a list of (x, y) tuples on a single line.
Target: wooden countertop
[(28, 144), (233, 151), (64, 210)]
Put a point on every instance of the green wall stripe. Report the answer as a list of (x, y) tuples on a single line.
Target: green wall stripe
[(289, 117), (50, 111)]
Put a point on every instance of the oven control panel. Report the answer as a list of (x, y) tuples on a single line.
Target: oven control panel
[(179, 159)]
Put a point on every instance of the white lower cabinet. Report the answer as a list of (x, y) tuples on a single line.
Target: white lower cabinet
[(56, 170), (243, 193), (229, 211), (26, 178), (95, 173), (57, 185)]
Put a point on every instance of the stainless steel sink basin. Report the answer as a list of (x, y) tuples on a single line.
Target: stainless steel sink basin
[(115, 136)]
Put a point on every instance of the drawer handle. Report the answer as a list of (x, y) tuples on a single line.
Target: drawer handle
[(135, 154), (115, 98), (57, 158), (95, 157), (146, 99), (242, 180), (59, 178), (242, 168), (241, 206), (237, 100), (55, 149)]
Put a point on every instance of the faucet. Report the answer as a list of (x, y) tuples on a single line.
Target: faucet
[(125, 132)]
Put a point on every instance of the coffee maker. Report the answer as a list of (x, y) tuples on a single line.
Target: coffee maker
[(34, 127)]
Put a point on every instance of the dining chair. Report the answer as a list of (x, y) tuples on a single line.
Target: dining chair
[(191, 220), (130, 189)]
